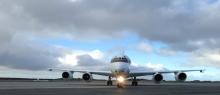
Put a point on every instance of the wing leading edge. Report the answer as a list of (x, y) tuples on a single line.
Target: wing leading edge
[(103, 73), (136, 74)]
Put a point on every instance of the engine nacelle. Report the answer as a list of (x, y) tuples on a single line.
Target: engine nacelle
[(157, 77), (180, 76), (87, 77), (67, 75)]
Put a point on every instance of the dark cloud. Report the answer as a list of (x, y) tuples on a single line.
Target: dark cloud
[(87, 60), (25, 55), (181, 25), (87, 18)]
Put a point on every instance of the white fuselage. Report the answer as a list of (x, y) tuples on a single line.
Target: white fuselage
[(120, 66), (120, 69)]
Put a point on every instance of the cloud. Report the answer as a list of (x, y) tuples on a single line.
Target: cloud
[(205, 58), (144, 47), (147, 67), (182, 25), (160, 50), (87, 60), (84, 60), (25, 55), (166, 52), (206, 76), (150, 67), (75, 57)]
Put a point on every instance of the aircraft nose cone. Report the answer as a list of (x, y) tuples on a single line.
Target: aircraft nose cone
[(122, 68)]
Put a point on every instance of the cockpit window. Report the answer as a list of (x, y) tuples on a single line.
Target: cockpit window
[(120, 59)]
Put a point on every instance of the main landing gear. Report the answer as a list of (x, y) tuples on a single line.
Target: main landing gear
[(109, 82), (134, 82)]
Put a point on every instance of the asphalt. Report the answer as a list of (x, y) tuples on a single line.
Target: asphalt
[(99, 88)]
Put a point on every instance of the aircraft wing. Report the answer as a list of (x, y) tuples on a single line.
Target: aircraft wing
[(103, 73), (136, 74)]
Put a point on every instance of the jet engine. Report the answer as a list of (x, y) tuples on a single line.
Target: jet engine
[(157, 77), (67, 75), (87, 77), (180, 76)]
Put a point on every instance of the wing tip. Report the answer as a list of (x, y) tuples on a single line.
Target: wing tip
[(201, 71), (50, 69)]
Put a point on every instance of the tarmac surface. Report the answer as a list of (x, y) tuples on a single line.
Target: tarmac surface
[(99, 88)]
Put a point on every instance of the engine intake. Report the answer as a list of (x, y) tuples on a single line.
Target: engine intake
[(157, 77), (180, 76), (87, 77), (67, 75)]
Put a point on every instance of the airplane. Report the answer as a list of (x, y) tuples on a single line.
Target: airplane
[(120, 70)]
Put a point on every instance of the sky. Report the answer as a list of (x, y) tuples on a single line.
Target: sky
[(85, 34)]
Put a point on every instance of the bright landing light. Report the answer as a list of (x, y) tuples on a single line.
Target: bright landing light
[(120, 79)]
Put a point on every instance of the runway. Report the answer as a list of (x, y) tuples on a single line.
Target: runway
[(99, 88)]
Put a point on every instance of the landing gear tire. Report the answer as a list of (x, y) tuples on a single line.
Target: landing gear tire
[(134, 83), (109, 83)]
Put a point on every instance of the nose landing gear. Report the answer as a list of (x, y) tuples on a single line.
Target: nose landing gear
[(120, 85)]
